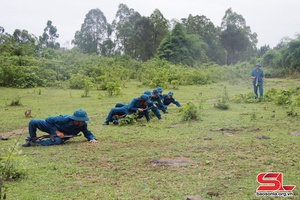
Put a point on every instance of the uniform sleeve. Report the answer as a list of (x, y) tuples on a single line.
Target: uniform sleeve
[(161, 105), (252, 73), (176, 102), (88, 134), (132, 108), (53, 124)]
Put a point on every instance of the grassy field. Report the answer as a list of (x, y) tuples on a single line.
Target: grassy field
[(221, 150)]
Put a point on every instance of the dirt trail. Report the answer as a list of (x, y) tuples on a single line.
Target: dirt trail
[(6, 135)]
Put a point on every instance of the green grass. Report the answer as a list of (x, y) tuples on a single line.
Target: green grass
[(119, 166)]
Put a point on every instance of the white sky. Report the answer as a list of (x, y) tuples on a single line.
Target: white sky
[(270, 19)]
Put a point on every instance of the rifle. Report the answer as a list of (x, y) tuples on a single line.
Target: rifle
[(52, 137), (256, 81)]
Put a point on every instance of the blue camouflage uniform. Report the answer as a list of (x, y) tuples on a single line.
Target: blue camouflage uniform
[(155, 98), (160, 90), (151, 105), (132, 107), (167, 101), (62, 123), (258, 80)]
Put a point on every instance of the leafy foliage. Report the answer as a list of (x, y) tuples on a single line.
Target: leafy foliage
[(128, 119), (94, 34), (180, 48), (190, 112), (16, 101), (223, 101), (236, 37), (11, 164), (48, 39), (284, 97)]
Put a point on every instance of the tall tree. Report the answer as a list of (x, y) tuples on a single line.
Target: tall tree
[(291, 55), (178, 47), (205, 29), (48, 39), (159, 29), (94, 35), (143, 39), (1, 29), (124, 26), (262, 50), (24, 43), (236, 37)]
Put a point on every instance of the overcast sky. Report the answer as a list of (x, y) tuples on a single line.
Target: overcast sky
[(270, 19)]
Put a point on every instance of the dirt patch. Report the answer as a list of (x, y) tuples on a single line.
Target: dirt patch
[(6, 135), (235, 131), (297, 133), (174, 162)]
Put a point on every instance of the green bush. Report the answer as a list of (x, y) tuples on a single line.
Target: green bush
[(223, 101), (16, 101), (77, 81), (113, 88), (283, 97), (190, 112), (128, 119), (270, 95), (12, 164), (175, 84)]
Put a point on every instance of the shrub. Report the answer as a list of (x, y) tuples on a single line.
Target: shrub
[(223, 102), (190, 112), (77, 81), (113, 88), (128, 119), (284, 97), (87, 88), (16, 101), (270, 95), (239, 98), (11, 166), (175, 84)]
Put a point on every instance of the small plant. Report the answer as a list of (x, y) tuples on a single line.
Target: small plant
[(190, 112), (270, 95), (128, 119), (284, 97), (250, 98), (291, 112), (253, 116), (11, 167), (297, 100), (239, 98), (40, 91), (113, 88), (223, 102), (175, 84), (16, 101), (87, 88)]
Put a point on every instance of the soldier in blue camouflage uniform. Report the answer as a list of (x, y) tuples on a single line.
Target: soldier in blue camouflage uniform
[(168, 99), (155, 98), (137, 104)]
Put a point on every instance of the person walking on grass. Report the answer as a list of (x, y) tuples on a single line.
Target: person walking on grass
[(258, 77), (60, 128)]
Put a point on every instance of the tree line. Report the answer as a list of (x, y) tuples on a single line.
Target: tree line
[(189, 42)]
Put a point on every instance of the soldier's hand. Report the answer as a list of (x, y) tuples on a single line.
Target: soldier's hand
[(60, 134), (93, 141), (140, 109)]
